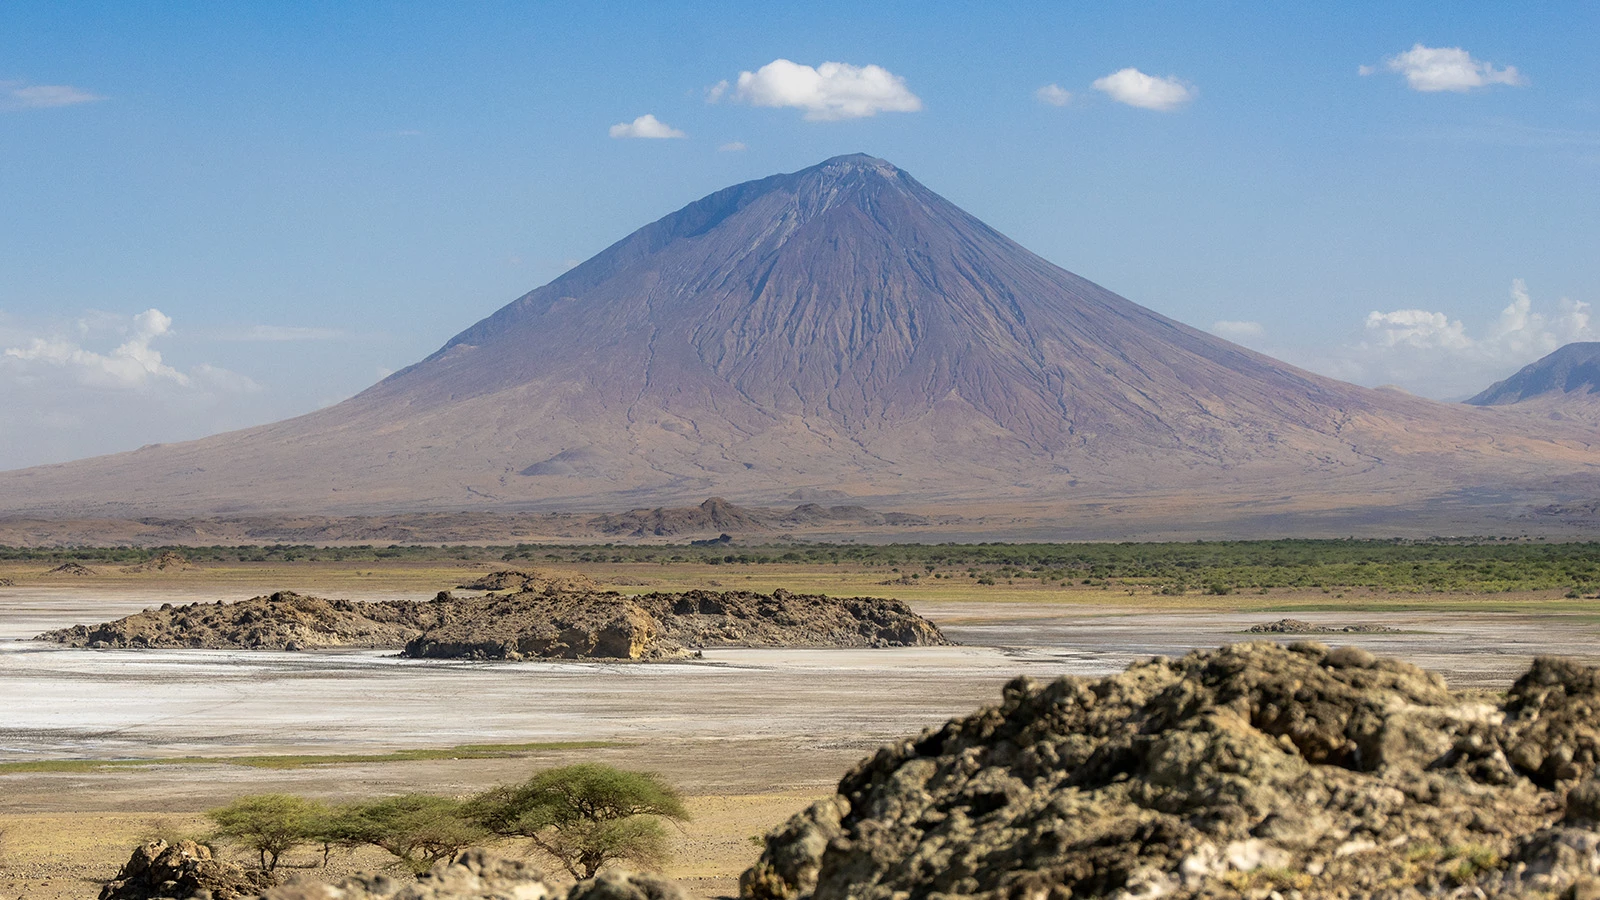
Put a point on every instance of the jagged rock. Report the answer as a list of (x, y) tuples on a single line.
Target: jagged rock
[(619, 885), (478, 875), (1252, 770), (6, 582), (71, 570), (182, 871)]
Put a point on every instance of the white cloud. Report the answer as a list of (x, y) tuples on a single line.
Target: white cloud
[(829, 92), (1238, 332), (716, 91), (1432, 69), (1053, 94), (1135, 88), (131, 364), (646, 126), (21, 95), (99, 384), (733, 147), (1430, 353), (1364, 71)]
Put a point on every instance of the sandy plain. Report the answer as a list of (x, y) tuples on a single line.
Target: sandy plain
[(751, 736)]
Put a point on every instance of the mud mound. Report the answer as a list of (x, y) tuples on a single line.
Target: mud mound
[(665, 626), (540, 580), (180, 871), (1297, 626), (71, 570), (1254, 770), (165, 561), (281, 621)]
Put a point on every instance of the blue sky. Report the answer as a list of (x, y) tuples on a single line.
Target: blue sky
[(312, 195)]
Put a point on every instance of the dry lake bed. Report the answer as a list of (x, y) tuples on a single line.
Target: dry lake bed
[(751, 735)]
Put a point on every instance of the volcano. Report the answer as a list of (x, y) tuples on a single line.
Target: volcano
[(841, 329)]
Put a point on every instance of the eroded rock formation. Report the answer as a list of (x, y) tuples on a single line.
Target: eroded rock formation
[(1255, 770)]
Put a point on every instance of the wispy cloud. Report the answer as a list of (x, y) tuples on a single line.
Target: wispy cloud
[(828, 92), (733, 147), (1434, 69), (133, 363), (646, 126), (17, 95), (1135, 88), (1053, 94), (1432, 353)]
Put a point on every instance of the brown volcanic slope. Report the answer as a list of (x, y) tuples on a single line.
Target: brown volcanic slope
[(842, 327)]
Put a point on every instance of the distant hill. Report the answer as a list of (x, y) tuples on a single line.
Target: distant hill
[(840, 331), (1571, 373)]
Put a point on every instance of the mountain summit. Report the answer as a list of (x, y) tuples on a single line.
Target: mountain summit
[(840, 328)]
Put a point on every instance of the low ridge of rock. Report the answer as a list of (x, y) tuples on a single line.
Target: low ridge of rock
[(1299, 626), (280, 621), (181, 871), (610, 625), (540, 580), (471, 875), (1255, 770), (542, 622), (71, 570)]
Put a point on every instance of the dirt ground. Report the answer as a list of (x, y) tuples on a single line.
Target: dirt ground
[(751, 736)]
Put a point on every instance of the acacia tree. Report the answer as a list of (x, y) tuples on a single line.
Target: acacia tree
[(418, 829), (584, 815), (269, 824)]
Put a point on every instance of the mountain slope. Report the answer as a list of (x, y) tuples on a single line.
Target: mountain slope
[(1570, 374), (838, 328)]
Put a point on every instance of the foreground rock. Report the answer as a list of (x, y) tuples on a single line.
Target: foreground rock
[(180, 871), (542, 622), (1299, 626), (281, 621), (665, 626), (1254, 770)]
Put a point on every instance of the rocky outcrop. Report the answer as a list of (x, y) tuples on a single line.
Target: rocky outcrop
[(543, 622), (281, 621), (479, 875), (665, 626), (71, 570), (538, 580), (1255, 770), (181, 871), (1299, 626)]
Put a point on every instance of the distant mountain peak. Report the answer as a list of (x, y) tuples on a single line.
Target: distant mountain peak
[(1570, 371), (841, 330)]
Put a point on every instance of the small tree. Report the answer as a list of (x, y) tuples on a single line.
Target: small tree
[(269, 824), (418, 829), (585, 815)]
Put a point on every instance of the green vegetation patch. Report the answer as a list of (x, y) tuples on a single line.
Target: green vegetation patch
[(298, 761)]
